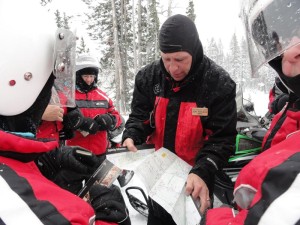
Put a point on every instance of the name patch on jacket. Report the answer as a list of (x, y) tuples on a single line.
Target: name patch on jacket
[(200, 111)]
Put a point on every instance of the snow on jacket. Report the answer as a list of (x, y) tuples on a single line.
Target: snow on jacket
[(27, 197), (93, 103), (195, 118), (275, 189)]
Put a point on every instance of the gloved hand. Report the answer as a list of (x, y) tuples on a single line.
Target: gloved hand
[(68, 166), (89, 125), (73, 119), (109, 204), (279, 103), (105, 121), (66, 134), (70, 180)]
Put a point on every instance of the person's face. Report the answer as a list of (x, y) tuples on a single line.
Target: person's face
[(88, 79), (178, 64), (291, 60)]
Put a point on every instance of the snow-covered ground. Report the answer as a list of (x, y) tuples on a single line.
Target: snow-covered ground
[(259, 99)]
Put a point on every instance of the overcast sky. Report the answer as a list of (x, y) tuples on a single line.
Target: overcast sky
[(215, 18), (218, 18)]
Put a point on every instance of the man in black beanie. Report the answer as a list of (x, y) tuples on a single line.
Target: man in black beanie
[(186, 103)]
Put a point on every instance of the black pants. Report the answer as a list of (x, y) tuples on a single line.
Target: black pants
[(158, 215)]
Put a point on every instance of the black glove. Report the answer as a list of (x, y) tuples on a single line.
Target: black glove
[(279, 103), (109, 204), (106, 121), (70, 180), (73, 119), (66, 134), (68, 166), (89, 125)]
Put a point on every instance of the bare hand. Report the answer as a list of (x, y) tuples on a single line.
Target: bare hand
[(129, 143), (53, 113), (197, 188)]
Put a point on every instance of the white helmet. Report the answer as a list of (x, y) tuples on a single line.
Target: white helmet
[(86, 65), (26, 59), (271, 28), (86, 61)]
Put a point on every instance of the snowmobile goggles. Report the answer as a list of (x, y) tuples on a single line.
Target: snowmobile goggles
[(272, 26), (64, 68)]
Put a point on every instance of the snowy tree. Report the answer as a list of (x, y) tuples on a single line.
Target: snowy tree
[(212, 50), (190, 12), (109, 25), (58, 19), (62, 22), (234, 59), (45, 2), (147, 32), (245, 73), (152, 49), (66, 21), (170, 3), (221, 57), (82, 47)]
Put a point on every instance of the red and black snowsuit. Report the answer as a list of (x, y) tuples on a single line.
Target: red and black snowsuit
[(26, 196), (49, 129), (195, 118), (274, 178), (92, 103), (283, 124)]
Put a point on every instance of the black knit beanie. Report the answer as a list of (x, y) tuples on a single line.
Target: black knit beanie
[(179, 33)]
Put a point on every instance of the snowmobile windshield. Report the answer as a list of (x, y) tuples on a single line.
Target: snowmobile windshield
[(64, 68), (272, 26)]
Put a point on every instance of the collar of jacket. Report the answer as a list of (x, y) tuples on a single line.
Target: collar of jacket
[(86, 90), (15, 143)]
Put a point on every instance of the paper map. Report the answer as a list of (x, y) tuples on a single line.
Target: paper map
[(164, 175)]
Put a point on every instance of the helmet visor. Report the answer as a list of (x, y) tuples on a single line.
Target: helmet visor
[(64, 70), (270, 27)]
